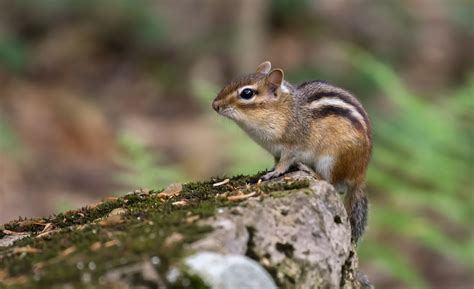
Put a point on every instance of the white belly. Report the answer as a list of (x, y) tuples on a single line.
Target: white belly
[(322, 164)]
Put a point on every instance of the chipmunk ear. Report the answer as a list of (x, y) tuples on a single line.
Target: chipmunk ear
[(264, 67), (276, 77)]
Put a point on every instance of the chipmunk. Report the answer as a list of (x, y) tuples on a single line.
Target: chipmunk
[(314, 124)]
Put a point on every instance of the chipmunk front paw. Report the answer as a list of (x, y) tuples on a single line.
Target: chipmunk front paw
[(271, 175)]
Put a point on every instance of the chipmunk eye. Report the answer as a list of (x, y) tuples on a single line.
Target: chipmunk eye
[(247, 93)]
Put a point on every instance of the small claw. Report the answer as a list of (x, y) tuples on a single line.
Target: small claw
[(271, 175)]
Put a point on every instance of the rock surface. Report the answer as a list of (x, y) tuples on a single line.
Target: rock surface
[(229, 271), (301, 237), (224, 234)]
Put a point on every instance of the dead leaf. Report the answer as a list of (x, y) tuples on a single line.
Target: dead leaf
[(96, 246), (173, 239), (118, 212), (241, 197), (94, 205), (48, 227), (81, 227), (47, 233), (221, 196), (26, 223), (68, 251), (171, 191), (39, 266), (8, 232), (38, 222), (111, 220), (26, 249), (114, 217), (221, 183), (111, 243), (192, 219), (181, 203)]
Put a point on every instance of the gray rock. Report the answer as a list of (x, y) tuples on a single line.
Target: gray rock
[(301, 236), (229, 271), (8, 240)]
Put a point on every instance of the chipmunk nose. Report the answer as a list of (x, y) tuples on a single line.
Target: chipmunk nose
[(216, 106)]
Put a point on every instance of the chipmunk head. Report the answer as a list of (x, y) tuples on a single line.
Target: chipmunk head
[(255, 100)]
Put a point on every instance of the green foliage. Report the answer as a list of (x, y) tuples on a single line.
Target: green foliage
[(13, 54), (143, 169), (283, 6), (390, 260), (9, 142), (460, 14), (422, 169)]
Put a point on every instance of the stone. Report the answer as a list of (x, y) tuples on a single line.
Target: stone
[(302, 236), (229, 271)]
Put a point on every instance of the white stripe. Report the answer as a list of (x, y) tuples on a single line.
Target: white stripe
[(284, 88), (326, 101)]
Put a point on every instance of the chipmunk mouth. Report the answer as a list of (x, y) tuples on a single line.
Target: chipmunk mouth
[(230, 113)]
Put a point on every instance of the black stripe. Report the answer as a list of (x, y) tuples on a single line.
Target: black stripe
[(305, 83), (328, 110), (345, 98)]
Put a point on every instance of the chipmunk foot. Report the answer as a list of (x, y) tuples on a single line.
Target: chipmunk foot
[(273, 174)]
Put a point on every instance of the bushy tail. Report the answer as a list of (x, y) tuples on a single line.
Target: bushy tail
[(357, 209)]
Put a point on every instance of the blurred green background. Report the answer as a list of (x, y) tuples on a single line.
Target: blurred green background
[(101, 97)]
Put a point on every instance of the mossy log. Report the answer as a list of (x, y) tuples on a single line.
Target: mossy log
[(225, 233)]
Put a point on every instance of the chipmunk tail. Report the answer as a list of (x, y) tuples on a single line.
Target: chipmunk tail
[(357, 210)]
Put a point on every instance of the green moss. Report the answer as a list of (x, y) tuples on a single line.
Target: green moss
[(189, 281), (76, 217), (285, 185), (80, 255)]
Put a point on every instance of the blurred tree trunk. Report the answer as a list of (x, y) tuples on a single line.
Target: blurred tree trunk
[(251, 20), (434, 47)]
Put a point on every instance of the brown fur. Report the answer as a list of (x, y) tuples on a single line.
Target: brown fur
[(301, 125)]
